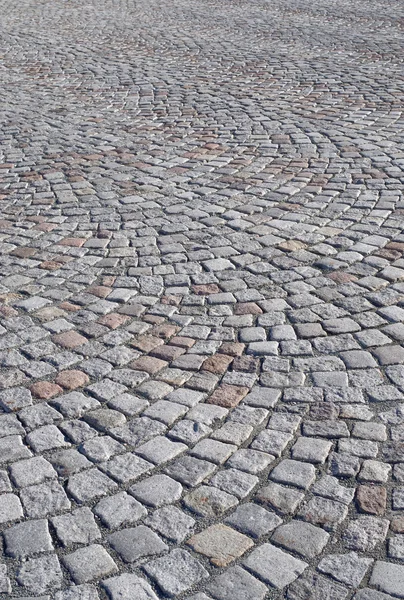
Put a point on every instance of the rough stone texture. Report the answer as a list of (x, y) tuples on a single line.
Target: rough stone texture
[(176, 572), (201, 298), (274, 566), (221, 544)]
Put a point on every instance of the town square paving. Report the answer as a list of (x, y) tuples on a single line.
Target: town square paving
[(201, 300)]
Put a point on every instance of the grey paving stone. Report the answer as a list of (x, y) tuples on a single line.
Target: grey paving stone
[(32, 471), (190, 471), (88, 563), (119, 509), (39, 575), (27, 538), (78, 592), (364, 533), (286, 500), (313, 586), (79, 527), (253, 520), (293, 472), (89, 484), (176, 572), (44, 499), (137, 542), (346, 568), (172, 523), (157, 490), (123, 587), (303, 538), (274, 566), (236, 584), (209, 501), (235, 482), (389, 578)]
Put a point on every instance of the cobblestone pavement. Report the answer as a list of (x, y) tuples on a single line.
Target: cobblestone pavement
[(201, 300)]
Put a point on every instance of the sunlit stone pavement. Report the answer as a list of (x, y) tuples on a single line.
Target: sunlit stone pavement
[(201, 300)]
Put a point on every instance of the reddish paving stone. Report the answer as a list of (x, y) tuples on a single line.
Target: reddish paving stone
[(171, 300), (146, 343), (69, 306), (389, 254), (247, 364), (397, 524), (108, 281), (113, 320), (232, 348), (228, 396), (218, 363), (247, 308), (168, 352), (72, 379), (153, 319), (205, 290), (101, 291), (73, 242), (342, 277), (23, 252), (149, 364), (164, 331), (183, 342), (69, 339), (46, 227), (399, 246), (371, 499), (45, 390), (50, 265)]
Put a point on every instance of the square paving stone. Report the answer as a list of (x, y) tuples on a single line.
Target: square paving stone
[(79, 527), (171, 522), (160, 450), (176, 572), (91, 562), (303, 538), (126, 467), (137, 542), (235, 482), (128, 587), (78, 592), (272, 442), (253, 520), (324, 512), (10, 508), (214, 451), (119, 509), (274, 566), (221, 544), (313, 450), (89, 484), (346, 568), (30, 537), (208, 501), (293, 472), (251, 461), (190, 471), (286, 500), (236, 584), (313, 586), (389, 578), (40, 575), (44, 499), (365, 533), (157, 490), (32, 471)]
